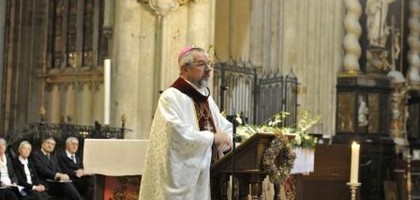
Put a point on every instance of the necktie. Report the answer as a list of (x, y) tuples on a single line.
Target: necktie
[(73, 158), (48, 156)]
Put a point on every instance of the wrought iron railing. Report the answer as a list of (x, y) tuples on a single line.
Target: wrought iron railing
[(240, 89), (35, 132)]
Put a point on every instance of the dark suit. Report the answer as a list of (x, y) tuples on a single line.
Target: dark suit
[(23, 181), (46, 169), (8, 193), (83, 184)]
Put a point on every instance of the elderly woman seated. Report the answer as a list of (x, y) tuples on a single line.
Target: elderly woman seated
[(26, 173), (8, 180)]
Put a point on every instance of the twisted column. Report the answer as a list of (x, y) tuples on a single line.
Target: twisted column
[(351, 39), (414, 43)]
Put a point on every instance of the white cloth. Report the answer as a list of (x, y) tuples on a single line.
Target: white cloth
[(178, 158), (114, 157), (304, 162)]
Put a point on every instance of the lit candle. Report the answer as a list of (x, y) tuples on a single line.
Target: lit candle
[(354, 171), (107, 90)]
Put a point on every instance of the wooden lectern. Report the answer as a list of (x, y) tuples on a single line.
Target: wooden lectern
[(247, 159)]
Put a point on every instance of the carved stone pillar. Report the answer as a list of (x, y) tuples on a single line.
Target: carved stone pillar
[(351, 39), (126, 79), (414, 44)]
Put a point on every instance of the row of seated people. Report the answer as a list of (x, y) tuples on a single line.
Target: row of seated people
[(44, 174)]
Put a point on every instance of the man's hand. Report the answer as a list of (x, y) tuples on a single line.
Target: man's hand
[(80, 173), (39, 188), (222, 141), (63, 177)]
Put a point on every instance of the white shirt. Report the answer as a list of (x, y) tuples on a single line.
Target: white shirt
[(5, 179), (24, 162), (71, 156)]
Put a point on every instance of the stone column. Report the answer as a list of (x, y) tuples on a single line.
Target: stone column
[(53, 109), (125, 66), (98, 105), (201, 23), (414, 45), (69, 103), (351, 38), (2, 29), (84, 105)]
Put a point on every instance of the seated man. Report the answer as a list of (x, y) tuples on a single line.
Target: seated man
[(72, 165), (8, 178), (57, 182)]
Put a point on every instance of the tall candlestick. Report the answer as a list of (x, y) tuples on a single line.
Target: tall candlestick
[(354, 171), (107, 90)]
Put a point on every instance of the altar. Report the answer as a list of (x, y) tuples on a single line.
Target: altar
[(118, 164)]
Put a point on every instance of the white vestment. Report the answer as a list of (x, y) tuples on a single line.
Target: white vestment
[(178, 157)]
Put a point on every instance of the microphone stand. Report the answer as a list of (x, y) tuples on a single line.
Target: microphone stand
[(234, 123)]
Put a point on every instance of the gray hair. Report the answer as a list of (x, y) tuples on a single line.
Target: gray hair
[(3, 141), (22, 144), (69, 139)]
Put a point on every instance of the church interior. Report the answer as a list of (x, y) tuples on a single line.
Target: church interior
[(96, 69)]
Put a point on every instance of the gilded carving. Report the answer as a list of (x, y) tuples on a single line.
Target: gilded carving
[(399, 109), (377, 60)]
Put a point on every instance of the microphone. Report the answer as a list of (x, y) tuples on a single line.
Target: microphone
[(224, 87)]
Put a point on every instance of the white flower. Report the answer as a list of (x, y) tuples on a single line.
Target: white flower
[(238, 119), (287, 131), (298, 139)]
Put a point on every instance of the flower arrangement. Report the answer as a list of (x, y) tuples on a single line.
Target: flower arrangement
[(273, 125), (279, 157)]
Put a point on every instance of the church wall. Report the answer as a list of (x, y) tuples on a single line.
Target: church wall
[(148, 93), (146, 40), (232, 28), (302, 36), (311, 49), (299, 36)]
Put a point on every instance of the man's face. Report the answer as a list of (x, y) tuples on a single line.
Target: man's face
[(48, 145), (199, 72), (72, 146)]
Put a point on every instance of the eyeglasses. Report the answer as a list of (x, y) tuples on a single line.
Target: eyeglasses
[(204, 64)]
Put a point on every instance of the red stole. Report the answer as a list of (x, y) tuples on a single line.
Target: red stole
[(202, 109)]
